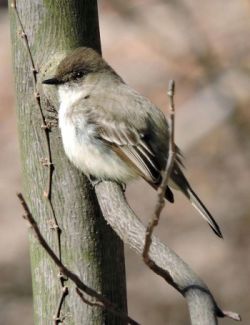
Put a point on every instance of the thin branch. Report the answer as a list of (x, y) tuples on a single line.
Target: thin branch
[(88, 302), (110, 308), (202, 305), (102, 301), (44, 126), (24, 36), (57, 318), (163, 186)]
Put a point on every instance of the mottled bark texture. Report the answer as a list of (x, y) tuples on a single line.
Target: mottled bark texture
[(89, 246)]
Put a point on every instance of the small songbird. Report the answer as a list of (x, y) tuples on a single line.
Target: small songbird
[(111, 132)]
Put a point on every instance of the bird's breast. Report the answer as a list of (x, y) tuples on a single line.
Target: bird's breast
[(90, 154)]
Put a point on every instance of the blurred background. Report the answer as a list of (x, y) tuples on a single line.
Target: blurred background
[(205, 47)]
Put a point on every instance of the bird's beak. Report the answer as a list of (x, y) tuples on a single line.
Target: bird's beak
[(52, 81)]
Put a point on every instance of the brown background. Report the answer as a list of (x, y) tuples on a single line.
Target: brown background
[(205, 47)]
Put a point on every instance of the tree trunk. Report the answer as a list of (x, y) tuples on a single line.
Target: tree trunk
[(88, 245)]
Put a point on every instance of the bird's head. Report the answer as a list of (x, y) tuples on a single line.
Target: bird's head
[(74, 68)]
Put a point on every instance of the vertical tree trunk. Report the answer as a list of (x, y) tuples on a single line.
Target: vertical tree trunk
[(89, 246)]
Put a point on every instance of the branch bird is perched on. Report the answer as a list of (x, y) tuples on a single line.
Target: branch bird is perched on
[(110, 131)]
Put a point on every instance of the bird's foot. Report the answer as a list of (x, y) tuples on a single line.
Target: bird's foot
[(123, 185), (93, 180)]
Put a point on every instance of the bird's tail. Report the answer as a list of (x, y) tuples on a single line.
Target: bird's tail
[(200, 207), (178, 178)]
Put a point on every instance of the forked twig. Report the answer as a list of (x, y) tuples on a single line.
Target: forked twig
[(58, 318)]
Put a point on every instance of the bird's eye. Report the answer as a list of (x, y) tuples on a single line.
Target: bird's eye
[(79, 74)]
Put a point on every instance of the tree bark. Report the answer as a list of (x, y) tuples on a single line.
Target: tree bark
[(89, 247)]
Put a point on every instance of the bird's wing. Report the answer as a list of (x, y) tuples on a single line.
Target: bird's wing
[(131, 145)]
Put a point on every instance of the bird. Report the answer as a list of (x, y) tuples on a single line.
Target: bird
[(111, 132)]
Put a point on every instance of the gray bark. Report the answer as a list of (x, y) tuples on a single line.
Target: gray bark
[(89, 246)]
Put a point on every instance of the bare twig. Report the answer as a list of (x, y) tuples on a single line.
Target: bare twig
[(88, 302), (165, 177), (47, 162), (44, 126), (100, 300), (58, 319), (111, 308)]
